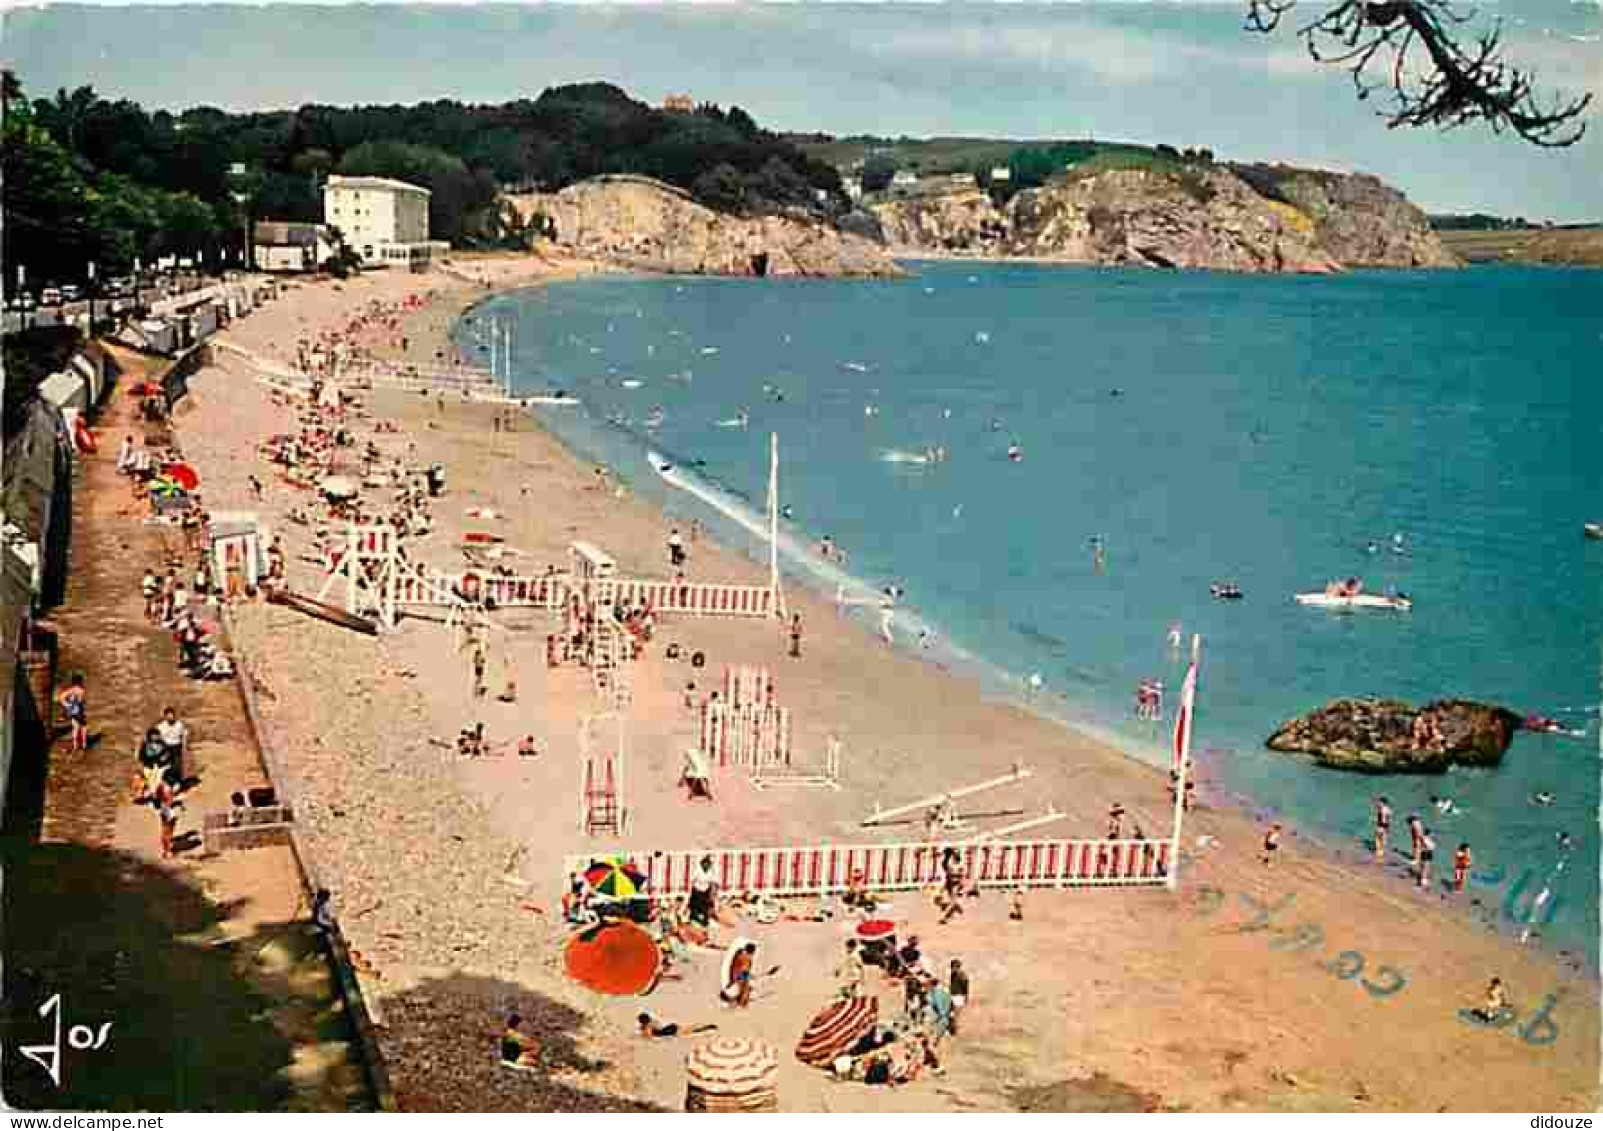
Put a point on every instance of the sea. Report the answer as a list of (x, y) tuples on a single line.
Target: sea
[(1436, 433)]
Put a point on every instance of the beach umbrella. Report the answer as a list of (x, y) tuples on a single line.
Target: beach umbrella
[(875, 930), (164, 486), (617, 957), (840, 1026), (732, 1074), (615, 879), (339, 487), (183, 475)]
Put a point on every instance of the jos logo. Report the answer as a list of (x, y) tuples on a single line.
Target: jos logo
[(83, 1038)]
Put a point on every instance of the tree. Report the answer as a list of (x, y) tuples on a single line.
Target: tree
[(721, 187), (878, 169), (1433, 74)]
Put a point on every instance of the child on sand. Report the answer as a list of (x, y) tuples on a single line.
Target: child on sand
[(75, 706), (1495, 1005), (518, 1049), (1461, 865), (1271, 844)]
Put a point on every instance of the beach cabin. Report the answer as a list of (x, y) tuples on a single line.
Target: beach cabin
[(238, 548), (591, 563)]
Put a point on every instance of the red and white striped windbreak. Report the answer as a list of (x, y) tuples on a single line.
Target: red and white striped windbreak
[(1182, 720), (836, 1029)]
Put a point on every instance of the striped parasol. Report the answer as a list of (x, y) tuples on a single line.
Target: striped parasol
[(615, 878), (837, 1029), (732, 1066)]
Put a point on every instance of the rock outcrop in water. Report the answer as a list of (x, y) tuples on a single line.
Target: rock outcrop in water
[(1386, 736), (648, 224), (1200, 216)]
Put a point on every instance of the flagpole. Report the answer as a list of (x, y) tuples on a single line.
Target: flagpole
[(1188, 707), (773, 524)]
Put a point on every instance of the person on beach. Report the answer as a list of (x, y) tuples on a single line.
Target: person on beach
[(1462, 861), (152, 759), (851, 972), (887, 617), (1494, 1007), (1115, 821), (1015, 908), (74, 701), (174, 736), (479, 662), (676, 549), (651, 1028), (150, 588), (167, 805), (1416, 832), (795, 636), (703, 889), (1427, 853), (737, 991), (1271, 845), (957, 985), (518, 1049), (1383, 816)]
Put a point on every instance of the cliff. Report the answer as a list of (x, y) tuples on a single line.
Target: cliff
[(646, 223), (1204, 216), (1363, 221)]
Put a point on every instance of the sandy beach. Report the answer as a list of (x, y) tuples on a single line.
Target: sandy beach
[(1313, 984)]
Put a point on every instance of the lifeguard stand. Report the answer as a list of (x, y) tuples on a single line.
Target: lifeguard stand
[(601, 780)]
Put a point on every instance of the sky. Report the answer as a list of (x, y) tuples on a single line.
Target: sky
[(1183, 72)]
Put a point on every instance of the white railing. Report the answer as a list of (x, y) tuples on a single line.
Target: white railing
[(826, 870)]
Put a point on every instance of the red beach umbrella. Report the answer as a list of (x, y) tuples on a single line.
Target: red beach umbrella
[(836, 1029), (616, 958), (182, 474), (873, 930)]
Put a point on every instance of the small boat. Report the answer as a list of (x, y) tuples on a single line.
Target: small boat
[(1594, 530), (1225, 591), (1398, 603)]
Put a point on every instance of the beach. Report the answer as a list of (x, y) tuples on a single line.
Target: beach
[(1306, 985)]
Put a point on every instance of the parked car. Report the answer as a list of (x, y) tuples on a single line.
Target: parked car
[(50, 296), (72, 292)]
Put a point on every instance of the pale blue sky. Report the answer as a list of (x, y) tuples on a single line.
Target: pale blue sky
[(1180, 72)]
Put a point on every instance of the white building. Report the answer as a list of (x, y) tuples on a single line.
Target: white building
[(904, 181), (386, 222), (290, 246), (1001, 174)]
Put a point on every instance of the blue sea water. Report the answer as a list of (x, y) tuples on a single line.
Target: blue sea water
[(1204, 427)]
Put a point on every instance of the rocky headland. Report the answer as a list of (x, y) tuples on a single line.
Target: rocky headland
[(1387, 736), (647, 224), (1235, 218)]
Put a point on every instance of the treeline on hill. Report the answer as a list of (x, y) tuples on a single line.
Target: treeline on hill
[(1028, 165), (88, 178), (1478, 222)]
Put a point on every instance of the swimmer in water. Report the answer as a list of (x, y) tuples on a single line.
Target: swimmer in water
[(1542, 797), (1444, 805), (996, 425), (1014, 452), (1035, 682), (1174, 635), (784, 512), (1373, 548), (870, 410)]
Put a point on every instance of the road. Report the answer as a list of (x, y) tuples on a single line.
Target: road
[(67, 312)]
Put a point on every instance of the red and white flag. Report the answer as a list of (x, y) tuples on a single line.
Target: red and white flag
[(1182, 718)]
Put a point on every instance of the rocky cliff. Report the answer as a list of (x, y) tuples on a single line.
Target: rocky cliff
[(1363, 221), (1197, 216), (649, 224), (1385, 736)]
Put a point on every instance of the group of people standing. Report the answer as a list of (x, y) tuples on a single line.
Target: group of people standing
[(1423, 847)]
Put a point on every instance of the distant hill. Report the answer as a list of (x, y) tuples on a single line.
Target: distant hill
[(1567, 246)]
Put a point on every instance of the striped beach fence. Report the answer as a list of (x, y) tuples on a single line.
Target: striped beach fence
[(693, 598), (541, 591), (744, 736), (827, 869), (749, 686)]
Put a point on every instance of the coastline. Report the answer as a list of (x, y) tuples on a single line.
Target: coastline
[(1042, 1001)]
